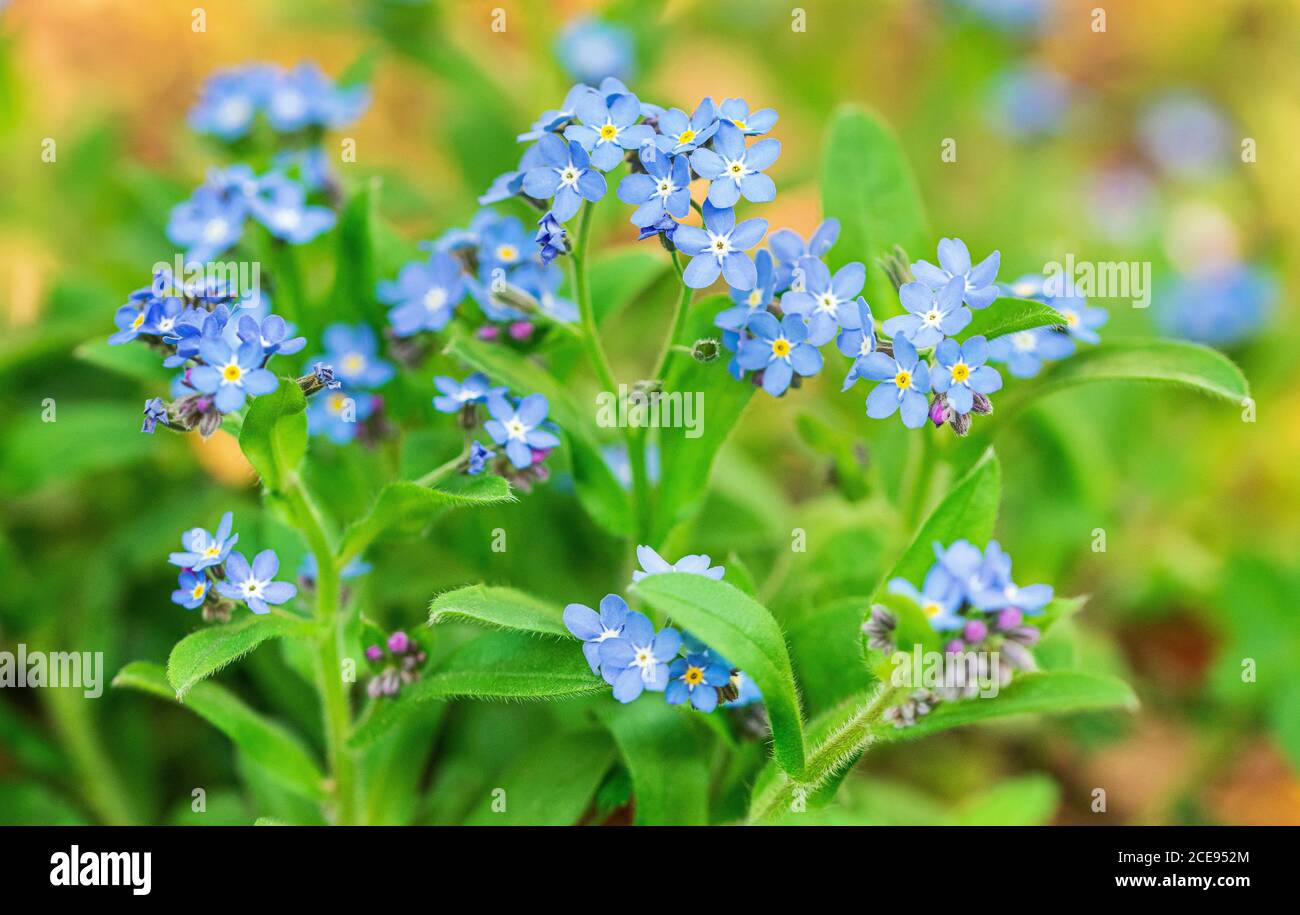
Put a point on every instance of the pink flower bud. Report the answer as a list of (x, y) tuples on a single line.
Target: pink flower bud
[(521, 330), (398, 642), (1010, 618), (488, 332), (374, 653), (975, 631)]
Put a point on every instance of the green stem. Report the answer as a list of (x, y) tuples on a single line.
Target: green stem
[(679, 321), (441, 472), (920, 473), (590, 335), (329, 671)]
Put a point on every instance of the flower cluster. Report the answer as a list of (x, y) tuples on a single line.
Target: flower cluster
[(301, 99), (623, 647), (213, 219), (519, 427), (398, 662), (213, 576), (192, 324)]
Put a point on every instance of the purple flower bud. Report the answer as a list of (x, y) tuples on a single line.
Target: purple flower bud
[(374, 653), (1009, 618), (539, 454), (398, 642), (521, 330), (937, 410), (488, 332), (956, 646), (975, 631)]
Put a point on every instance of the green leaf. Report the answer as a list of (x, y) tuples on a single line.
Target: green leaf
[(201, 654), (87, 437), (274, 435), (552, 784), (1009, 316), (405, 506), (499, 608), (1050, 692), (969, 511), (1175, 362), (668, 758), (134, 360), (1029, 800), (496, 665), (267, 743), (868, 186), (598, 490), (617, 278), (687, 462), (355, 275), (743, 631)]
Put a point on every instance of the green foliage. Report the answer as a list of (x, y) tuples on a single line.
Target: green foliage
[(500, 608), (667, 755), (280, 754), (868, 185), (274, 434), (1009, 316), (203, 653), (744, 632), (408, 507), (552, 785)]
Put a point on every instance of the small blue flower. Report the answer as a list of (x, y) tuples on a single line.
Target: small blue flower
[(194, 326), (735, 111), (750, 302), (311, 166), (857, 343), (155, 412), (787, 249), (1221, 306), (305, 96), (961, 372), (455, 395), (607, 128), (663, 188), (425, 295), (479, 455), (511, 184), (932, 314), (191, 590), (747, 691), (995, 590), (353, 351), (780, 350), (554, 120), (270, 333), (1081, 319), (939, 598), (665, 228), (720, 248), (592, 50), (637, 659), (338, 414), (654, 564), (229, 101), (697, 678), (593, 629), (734, 171), (904, 382), (281, 205), (551, 239), (502, 242), (681, 134), (130, 320), (517, 428), (979, 283), (203, 549), (254, 585), (826, 302), (541, 282), (232, 374), (208, 223), (1024, 351), (565, 175)]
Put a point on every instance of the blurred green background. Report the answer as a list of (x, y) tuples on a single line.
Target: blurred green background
[(1054, 125)]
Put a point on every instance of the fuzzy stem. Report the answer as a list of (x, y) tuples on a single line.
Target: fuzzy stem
[(334, 697)]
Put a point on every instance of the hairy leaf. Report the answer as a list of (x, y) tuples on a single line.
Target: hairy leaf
[(743, 631), (408, 506), (274, 434), (496, 665), (1009, 316), (499, 608), (201, 654), (267, 743)]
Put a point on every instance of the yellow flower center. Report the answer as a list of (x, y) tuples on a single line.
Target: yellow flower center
[(212, 551), (232, 372), (960, 371), (353, 363), (740, 125), (930, 608), (336, 403), (781, 347), (903, 379), (139, 319), (1071, 318), (693, 676), (198, 590), (686, 136), (608, 132), (736, 168), (507, 252), (755, 298)]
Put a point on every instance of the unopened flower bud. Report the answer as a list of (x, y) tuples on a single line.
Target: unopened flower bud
[(975, 631), (398, 642), (374, 654), (1009, 618)]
